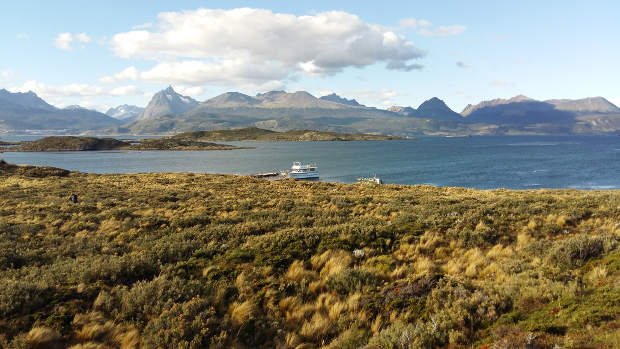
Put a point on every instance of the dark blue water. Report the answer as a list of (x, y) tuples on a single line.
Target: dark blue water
[(483, 162)]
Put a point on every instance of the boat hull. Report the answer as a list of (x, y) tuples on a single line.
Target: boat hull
[(304, 175)]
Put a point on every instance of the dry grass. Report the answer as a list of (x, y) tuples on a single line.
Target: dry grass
[(185, 260)]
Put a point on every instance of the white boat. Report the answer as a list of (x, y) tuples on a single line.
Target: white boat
[(374, 179), (303, 171)]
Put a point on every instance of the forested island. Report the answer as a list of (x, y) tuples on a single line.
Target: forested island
[(221, 261)]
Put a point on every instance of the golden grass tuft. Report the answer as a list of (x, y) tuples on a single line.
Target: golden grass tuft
[(331, 262), (317, 327), (242, 312), (42, 337), (425, 265), (598, 275), (297, 272)]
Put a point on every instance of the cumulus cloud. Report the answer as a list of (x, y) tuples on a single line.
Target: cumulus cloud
[(74, 90), (257, 46), (129, 90), (449, 30), (63, 40), (462, 64)]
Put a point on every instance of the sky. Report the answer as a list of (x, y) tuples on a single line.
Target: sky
[(100, 54)]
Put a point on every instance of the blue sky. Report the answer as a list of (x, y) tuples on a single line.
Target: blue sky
[(102, 54)]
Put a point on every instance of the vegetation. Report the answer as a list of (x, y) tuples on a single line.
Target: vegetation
[(171, 143), (193, 261), (259, 134), (72, 143)]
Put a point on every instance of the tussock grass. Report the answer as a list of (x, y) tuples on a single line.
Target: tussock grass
[(194, 261)]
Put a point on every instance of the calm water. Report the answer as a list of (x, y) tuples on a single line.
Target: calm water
[(483, 162)]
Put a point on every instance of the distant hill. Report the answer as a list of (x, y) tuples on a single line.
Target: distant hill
[(521, 114), (167, 102), (494, 102), (437, 109), (434, 109), (335, 98), (70, 143), (258, 134), (585, 105), (125, 112), (26, 111), (27, 100)]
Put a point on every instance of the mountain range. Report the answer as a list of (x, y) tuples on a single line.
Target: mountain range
[(170, 112), (26, 111), (125, 112)]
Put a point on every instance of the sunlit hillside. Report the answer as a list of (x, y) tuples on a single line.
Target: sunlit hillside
[(208, 261)]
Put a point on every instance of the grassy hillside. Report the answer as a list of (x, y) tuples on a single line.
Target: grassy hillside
[(195, 261), (71, 143), (258, 134)]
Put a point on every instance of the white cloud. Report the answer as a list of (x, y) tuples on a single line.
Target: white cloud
[(502, 83), (462, 64), (413, 23), (615, 101), (63, 40), (372, 97), (256, 46), (74, 90), (129, 90), (22, 36), (82, 37), (449, 30), (191, 91)]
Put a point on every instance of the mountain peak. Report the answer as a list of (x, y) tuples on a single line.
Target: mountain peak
[(406, 111), (231, 100), (335, 98), (25, 99), (124, 112), (436, 109), (167, 101)]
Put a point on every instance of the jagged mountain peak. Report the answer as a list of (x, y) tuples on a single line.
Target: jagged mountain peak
[(25, 99), (406, 111), (337, 99), (167, 101), (124, 112)]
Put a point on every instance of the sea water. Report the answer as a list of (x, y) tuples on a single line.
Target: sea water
[(482, 162)]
